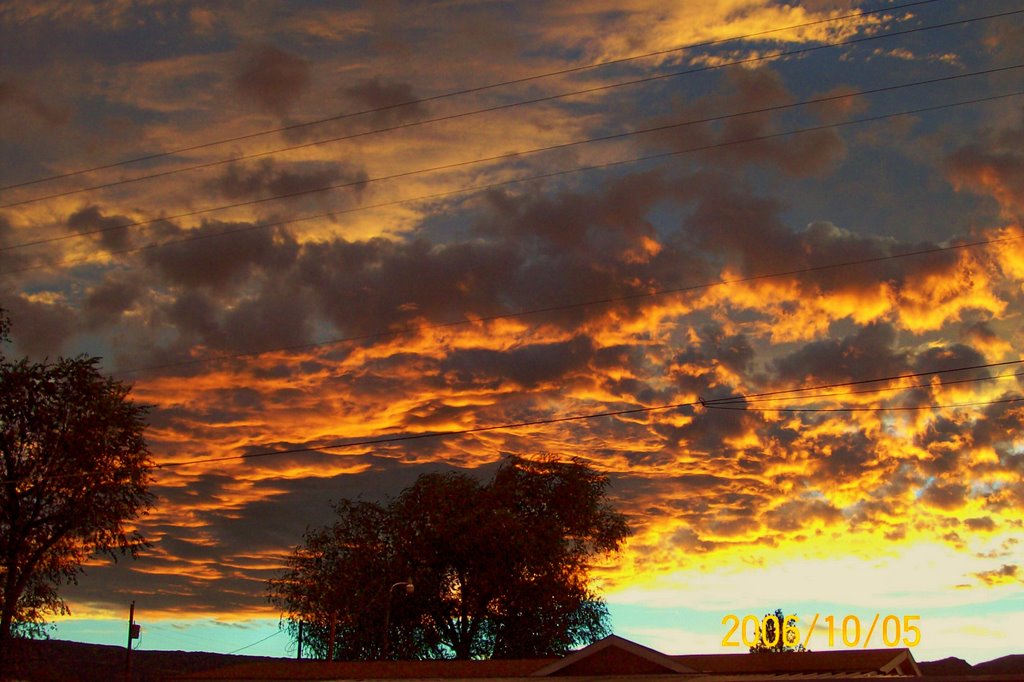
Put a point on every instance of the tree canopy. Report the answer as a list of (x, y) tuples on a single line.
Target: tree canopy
[(500, 569), (74, 474)]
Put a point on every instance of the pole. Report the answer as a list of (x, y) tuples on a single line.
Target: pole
[(387, 613), (330, 639), (299, 656), (387, 625), (131, 631)]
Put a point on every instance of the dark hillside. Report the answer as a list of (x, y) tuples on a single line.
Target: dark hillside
[(60, 661)]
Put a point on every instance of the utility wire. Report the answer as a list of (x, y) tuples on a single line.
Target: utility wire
[(574, 306), (249, 646), (500, 107), (731, 403), (432, 434), (915, 375), (460, 164), (888, 389), (721, 403), (895, 408), (610, 300), (471, 90)]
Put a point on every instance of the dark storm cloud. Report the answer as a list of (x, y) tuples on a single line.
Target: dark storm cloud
[(731, 524), (980, 523), (274, 317), (12, 259), (726, 219), (1006, 41), (729, 221), (945, 496), (750, 90), (980, 333), (687, 539), (371, 286), (867, 353), (846, 458), (272, 78), (377, 93), (822, 243), (714, 345), (951, 357), (575, 246), (694, 373), (19, 95), (527, 367), (217, 263), (998, 427), (195, 315), (993, 165), (40, 329), (205, 486), (266, 179), (601, 222), (1005, 573), (710, 429), (873, 512), (635, 390), (943, 440), (106, 302), (110, 234), (802, 154), (618, 366), (793, 515), (270, 316)]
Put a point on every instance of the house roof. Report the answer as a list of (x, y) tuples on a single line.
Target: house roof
[(614, 655), (884, 661), (613, 658)]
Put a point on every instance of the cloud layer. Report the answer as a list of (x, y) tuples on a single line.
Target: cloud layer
[(410, 306)]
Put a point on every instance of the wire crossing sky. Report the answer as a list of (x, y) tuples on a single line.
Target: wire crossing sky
[(423, 100), (758, 262), (515, 154)]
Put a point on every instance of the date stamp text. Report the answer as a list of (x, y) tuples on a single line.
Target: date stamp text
[(850, 631)]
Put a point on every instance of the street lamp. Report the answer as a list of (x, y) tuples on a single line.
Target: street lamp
[(409, 587)]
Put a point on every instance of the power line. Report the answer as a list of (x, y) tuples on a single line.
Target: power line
[(432, 434), (610, 300), (741, 403), (915, 375), (471, 90), (889, 389), (726, 403), (500, 107), (721, 403), (249, 646), (574, 306), (450, 166), (894, 408)]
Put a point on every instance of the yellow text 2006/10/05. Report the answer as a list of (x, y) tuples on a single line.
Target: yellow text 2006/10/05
[(751, 631)]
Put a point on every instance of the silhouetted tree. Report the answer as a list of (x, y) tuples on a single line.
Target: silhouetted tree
[(74, 472), (788, 639), (500, 569)]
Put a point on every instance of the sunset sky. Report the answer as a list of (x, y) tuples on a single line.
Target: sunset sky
[(292, 225)]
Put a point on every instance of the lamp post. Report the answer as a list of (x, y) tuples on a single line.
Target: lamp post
[(387, 612)]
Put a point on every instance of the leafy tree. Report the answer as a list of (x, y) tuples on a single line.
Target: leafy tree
[(74, 472), (500, 569), (787, 640)]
